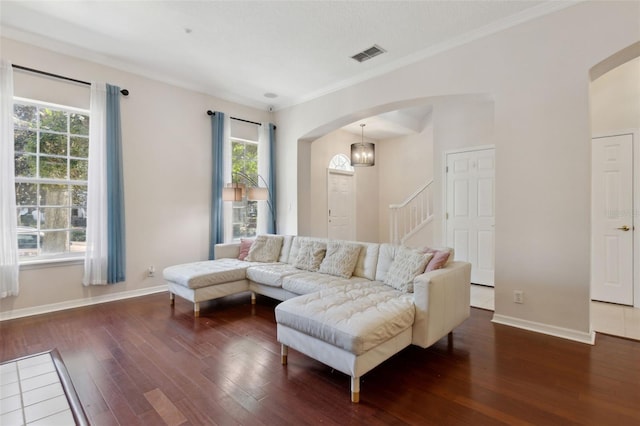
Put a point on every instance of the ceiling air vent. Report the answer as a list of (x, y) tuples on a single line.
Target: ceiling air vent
[(371, 52)]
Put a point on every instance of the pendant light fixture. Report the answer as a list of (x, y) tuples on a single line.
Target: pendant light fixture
[(363, 154)]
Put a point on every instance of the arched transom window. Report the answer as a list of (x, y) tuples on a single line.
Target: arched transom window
[(341, 162)]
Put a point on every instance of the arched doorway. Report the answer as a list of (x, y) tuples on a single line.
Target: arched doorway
[(341, 214), (615, 124)]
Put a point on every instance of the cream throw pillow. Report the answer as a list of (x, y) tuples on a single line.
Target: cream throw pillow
[(265, 248), (341, 259), (310, 255), (405, 267)]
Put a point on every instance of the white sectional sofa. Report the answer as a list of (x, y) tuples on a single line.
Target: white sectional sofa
[(350, 305)]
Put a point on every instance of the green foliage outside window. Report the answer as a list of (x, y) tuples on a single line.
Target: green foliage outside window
[(244, 159), (51, 169)]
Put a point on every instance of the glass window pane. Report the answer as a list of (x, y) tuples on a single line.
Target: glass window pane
[(29, 241), (237, 156), (53, 168), (26, 194), (55, 218), (54, 144), (252, 218), (79, 147), (78, 169), (25, 140), (78, 243), (27, 217), (54, 195), (25, 165), (51, 119), (79, 124), (79, 195), (79, 218), (25, 116), (252, 151), (55, 242), (79, 235)]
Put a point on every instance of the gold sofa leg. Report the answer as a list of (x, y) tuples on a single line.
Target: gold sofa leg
[(284, 351), (355, 389)]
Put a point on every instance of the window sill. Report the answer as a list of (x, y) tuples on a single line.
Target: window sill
[(51, 263)]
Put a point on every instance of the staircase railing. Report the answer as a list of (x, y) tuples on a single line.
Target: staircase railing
[(413, 214)]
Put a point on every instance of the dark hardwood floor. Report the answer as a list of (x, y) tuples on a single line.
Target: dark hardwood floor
[(139, 361)]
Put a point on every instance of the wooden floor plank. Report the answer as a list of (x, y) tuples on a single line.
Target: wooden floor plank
[(171, 415), (142, 362)]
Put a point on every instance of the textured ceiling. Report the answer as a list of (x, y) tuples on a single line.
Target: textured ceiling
[(239, 50)]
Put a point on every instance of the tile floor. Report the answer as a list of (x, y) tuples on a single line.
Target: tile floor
[(608, 318), (617, 320), (31, 393), (482, 297)]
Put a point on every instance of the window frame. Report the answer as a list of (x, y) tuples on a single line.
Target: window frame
[(69, 256)]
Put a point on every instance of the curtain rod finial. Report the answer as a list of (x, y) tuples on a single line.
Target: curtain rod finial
[(209, 112), (125, 92)]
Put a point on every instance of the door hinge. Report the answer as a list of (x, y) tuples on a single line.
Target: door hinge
[(446, 216), (446, 169)]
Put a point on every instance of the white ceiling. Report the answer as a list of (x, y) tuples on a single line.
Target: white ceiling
[(242, 50)]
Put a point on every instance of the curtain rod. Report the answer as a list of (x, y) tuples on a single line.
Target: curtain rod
[(125, 92), (209, 112)]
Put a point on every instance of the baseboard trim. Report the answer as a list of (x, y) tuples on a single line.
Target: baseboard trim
[(565, 333), (78, 303)]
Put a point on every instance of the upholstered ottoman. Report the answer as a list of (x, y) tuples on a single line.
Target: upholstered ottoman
[(351, 328), (208, 280)]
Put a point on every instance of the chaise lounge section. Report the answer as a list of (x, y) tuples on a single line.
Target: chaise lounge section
[(350, 305)]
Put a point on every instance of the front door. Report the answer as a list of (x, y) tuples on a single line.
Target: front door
[(341, 203), (612, 219), (470, 217)]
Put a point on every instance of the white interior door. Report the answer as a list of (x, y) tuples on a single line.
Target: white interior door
[(612, 219), (470, 216), (341, 203)]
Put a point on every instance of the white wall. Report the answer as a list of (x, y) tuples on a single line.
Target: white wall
[(405, 164), (167, 167), (615, 99), (459, 123), (538, 76)]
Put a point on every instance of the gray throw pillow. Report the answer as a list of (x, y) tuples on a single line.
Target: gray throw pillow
[(265, 248)]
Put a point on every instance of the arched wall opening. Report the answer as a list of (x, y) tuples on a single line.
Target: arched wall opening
[(614, 92), (614, 104), (403, 163), (537, 75)]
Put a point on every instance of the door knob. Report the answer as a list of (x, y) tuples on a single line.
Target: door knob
[(624, 228)]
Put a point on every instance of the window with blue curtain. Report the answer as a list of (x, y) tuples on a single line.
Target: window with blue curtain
[(105, 258)]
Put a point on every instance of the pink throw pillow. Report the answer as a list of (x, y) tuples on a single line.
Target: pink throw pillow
[(438, 260), (245, 246)]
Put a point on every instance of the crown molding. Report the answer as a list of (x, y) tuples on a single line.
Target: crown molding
[(86, 54), (511, 21)]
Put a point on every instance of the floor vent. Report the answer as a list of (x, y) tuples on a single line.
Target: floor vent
[(369, 53)]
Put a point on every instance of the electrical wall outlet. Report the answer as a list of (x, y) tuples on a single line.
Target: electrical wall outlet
[(151, 272), (518, 296)]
